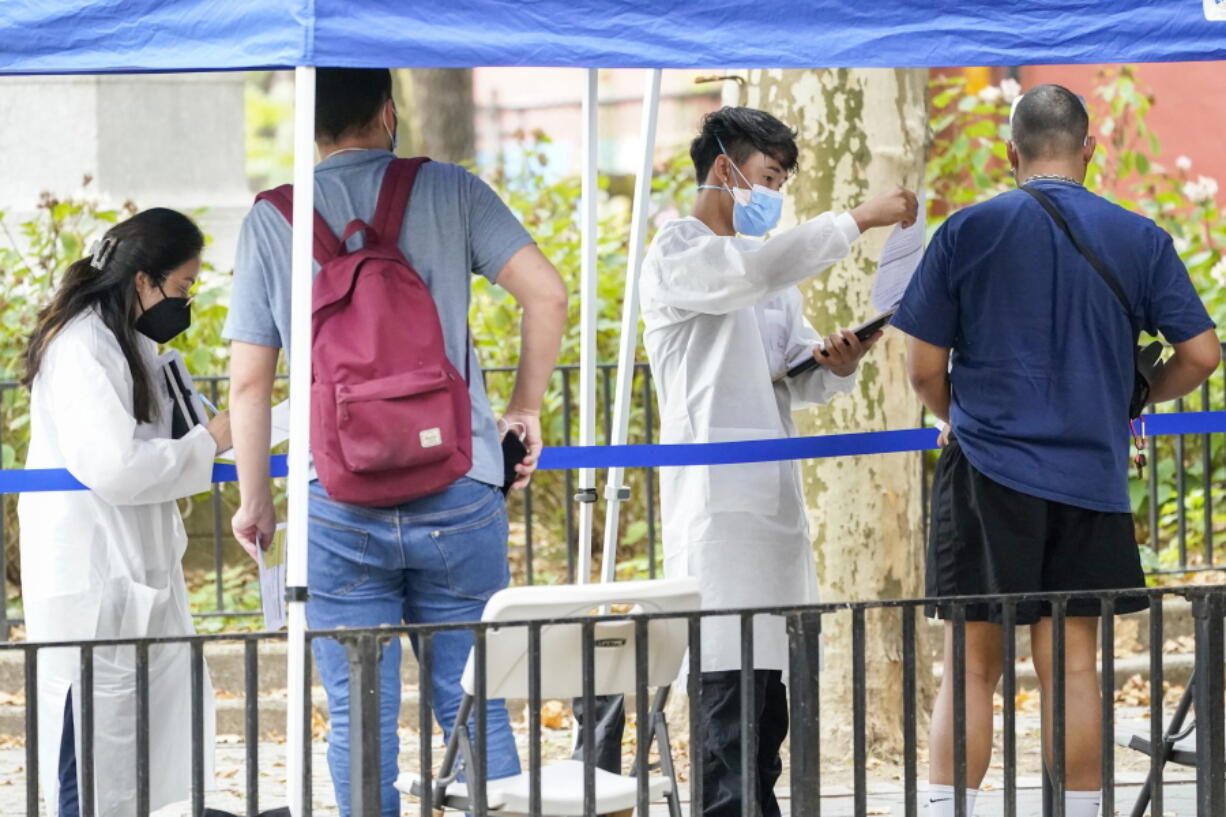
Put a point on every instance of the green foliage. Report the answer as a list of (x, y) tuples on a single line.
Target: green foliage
[(33, 254), (967, 163), (269, 106), (241, 585)]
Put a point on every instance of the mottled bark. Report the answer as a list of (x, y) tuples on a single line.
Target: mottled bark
[(860, 133), (436, 110)]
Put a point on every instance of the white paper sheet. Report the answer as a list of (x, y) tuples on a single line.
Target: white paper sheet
[(272, 580), (280, 430), (900, 258)]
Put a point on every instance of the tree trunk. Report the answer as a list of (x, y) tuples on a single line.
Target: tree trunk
[(436, 110), (860, 132)]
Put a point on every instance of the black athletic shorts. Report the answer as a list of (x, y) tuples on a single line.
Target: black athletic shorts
[(985, 539)]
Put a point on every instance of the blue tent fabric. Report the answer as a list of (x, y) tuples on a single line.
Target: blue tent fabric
[(73, 36), (108, 36)]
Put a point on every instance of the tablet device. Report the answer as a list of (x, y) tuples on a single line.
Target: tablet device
[(864, 331)]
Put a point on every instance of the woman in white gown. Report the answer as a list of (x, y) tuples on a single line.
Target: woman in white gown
[(106, 562)]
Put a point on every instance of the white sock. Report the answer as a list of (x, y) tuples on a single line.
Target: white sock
[(1082, 803), (941, 801)]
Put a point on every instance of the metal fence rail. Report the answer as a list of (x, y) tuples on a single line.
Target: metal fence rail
[(808, 717)]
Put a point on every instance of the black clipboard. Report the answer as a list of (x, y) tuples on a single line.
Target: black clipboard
[(864, 331)]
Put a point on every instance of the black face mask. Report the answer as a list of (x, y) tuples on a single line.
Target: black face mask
[(165, 319)]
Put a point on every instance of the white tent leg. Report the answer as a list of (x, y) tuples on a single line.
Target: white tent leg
[(299, 427), (587, 325), (615, 493)]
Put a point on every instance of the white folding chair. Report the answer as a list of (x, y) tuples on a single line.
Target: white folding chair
[(561, 676)]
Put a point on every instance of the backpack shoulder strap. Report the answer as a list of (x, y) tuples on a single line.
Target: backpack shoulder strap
[(1089, 254), (326, 245), (394, 195)]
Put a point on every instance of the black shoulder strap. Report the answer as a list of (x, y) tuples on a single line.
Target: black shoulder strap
[(1089, 254)]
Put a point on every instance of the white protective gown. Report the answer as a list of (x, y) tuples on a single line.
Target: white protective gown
[(106, 563), (723, 317)]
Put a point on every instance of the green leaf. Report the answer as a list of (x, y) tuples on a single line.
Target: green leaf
[(635, 532)]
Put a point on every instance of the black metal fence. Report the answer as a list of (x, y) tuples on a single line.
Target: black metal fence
[(811, 720), (1176, 520)]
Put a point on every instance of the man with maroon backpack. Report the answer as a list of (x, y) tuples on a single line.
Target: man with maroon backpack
[(407, 518)]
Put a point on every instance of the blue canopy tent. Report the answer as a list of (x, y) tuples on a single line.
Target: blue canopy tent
[(109, 36), (69, 36)]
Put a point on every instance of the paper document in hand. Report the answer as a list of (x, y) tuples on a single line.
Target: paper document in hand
[(900, 258), (280, 430), (272, 580)]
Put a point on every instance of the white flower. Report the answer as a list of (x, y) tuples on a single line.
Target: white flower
[(1010, 89), (990, 93), (1183, 163), (1218, 273), (1203, 189), (1107, 127), (1181, 244)]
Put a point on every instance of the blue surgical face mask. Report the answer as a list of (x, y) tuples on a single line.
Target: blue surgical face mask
[(755, 209)]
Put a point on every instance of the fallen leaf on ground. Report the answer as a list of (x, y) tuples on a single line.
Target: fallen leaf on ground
[(554, 715)]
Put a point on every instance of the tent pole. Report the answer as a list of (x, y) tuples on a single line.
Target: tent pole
[(299, 426), (586, 497), (615, 492)]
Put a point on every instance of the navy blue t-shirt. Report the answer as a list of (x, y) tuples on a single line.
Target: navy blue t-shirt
[(1042, 360)]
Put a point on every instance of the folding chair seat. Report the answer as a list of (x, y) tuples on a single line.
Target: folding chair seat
[(508, 671)]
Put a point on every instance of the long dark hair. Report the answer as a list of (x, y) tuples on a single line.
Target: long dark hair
[(154, 242)]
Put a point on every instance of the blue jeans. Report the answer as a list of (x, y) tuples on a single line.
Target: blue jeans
[(435, 559)]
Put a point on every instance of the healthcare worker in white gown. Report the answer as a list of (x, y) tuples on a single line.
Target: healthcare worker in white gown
[(106, 562), (723, 319)]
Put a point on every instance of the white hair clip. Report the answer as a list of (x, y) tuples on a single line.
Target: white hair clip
[(101, 252)]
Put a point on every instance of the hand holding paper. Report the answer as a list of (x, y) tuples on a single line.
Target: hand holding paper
[(900, 258), (272, 564)]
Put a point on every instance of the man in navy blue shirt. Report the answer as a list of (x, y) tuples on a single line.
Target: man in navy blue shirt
[(1031, 491)]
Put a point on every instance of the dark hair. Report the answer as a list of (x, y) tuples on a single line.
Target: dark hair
[(154, 242), (1050, 122), (743, 132), (346, 99)]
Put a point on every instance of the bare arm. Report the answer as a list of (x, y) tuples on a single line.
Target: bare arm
[(252, 369), (1193, 362), (928, 370), (538, 289)]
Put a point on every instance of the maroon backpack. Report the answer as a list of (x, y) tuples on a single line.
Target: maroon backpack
[(390, 416)]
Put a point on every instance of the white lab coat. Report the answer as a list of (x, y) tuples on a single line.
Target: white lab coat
[(723, 317), (106, 563)]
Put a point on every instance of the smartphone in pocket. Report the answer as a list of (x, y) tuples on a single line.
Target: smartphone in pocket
[(513, 453)]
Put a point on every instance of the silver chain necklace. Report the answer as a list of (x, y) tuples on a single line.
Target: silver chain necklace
[(344, 150), (1051, 177)]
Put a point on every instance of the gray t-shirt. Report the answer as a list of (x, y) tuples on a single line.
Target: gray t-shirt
[(456, 226)]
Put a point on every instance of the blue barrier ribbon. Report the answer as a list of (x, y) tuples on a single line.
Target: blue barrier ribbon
[(564, 458)]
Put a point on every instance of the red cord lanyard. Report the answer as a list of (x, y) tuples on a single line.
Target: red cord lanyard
[(1137, 428)]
